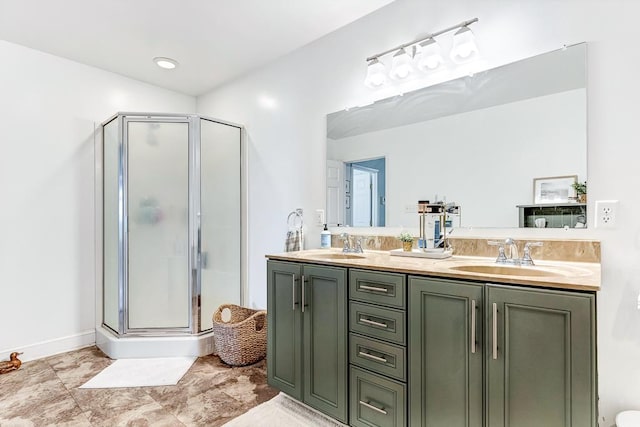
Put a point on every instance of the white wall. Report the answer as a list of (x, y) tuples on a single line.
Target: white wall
[(502, 148), (48, 106), (287, 136)]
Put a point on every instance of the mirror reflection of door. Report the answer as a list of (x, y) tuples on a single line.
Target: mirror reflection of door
[(366, 193), (363, 193)]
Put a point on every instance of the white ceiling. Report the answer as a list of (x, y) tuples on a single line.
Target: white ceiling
[(213, 40)]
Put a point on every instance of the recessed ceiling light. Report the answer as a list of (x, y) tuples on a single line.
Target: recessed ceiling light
[(166, 63)]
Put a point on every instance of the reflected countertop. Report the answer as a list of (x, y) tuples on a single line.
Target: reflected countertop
[(583, 276)]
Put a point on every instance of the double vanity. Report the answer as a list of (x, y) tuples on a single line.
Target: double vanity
[(376, 340)]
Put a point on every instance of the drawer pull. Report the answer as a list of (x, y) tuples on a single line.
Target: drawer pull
[(372, 357), (373, 288), (473, 326), (302, 282), (367, 405), (495, 331), (374, 323), (293, 291)]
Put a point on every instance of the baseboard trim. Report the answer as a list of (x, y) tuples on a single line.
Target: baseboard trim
[(52, 347)]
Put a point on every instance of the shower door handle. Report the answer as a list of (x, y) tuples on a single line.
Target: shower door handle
[(198, 247)]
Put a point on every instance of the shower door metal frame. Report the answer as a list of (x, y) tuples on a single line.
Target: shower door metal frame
[(193, 206)]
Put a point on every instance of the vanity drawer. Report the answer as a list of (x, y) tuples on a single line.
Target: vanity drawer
[(378, 322), (376, 401), (378, 356), (378, 288)]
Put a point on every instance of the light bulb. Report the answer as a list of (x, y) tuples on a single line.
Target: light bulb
[(428, 56), (376, 75), (401, 65), (464, 46)]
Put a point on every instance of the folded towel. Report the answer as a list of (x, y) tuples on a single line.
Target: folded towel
[(294, 241)]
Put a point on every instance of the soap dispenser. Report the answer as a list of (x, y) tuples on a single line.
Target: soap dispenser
[(325, 238)]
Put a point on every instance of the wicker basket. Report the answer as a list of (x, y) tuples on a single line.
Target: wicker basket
[(243, 339)]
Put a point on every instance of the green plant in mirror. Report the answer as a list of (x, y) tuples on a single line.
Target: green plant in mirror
[(580, 187), (405, 237)]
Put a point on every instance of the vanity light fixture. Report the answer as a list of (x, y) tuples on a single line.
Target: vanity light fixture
[(401, 65), (166, 63), (426, 55), (376, 74), (464, 47)]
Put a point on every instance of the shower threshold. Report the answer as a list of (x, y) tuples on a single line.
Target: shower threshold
[(149, 346)]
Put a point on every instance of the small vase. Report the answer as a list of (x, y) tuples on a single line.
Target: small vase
[(582, 198), (407, 246)]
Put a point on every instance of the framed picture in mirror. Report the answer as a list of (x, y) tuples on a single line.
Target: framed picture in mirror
[(553, 189)]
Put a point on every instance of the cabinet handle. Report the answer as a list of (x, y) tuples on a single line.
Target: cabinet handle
[(473, 326), (293, 292), (372, 357), (373, 288), (495, 330), (375, 408), (302, 282), (371, 322)]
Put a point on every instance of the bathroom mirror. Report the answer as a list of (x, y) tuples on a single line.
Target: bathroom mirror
[(477, 141)]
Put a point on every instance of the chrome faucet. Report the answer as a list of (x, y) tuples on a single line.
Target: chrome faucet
[(513, 257), (526, 255), (347, 248)]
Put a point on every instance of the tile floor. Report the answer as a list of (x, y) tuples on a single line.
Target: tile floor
[(45, 393)]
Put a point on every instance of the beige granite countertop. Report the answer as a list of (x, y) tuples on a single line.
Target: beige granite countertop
[(583, 276)]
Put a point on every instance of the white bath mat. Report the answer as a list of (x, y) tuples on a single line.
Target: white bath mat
[(281, 411), (141, 372)]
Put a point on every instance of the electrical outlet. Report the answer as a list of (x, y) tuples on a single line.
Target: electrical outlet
[(606, 213), (319, 216)]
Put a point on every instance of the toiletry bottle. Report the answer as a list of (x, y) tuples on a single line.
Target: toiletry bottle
[(325, 238)]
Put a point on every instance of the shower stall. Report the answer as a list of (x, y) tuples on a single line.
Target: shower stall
[(169, 231)]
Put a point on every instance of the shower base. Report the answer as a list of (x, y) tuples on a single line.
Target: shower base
[(149, 346)]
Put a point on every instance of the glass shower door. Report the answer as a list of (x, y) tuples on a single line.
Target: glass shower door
[(157, 206), (220, 158), (111, 225)]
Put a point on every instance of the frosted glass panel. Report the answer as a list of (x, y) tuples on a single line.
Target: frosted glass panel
[(158, 179), (110, 159), (220, 217)]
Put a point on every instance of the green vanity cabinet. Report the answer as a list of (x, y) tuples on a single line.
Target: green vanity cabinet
[(445, 353), (284, 327), (540, 358), (377, 341), (307, 354), (521, 356)]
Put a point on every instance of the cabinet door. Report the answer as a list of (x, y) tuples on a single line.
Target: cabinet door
[(325, 340), (541, 358), (284, 327), (445, 353)]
